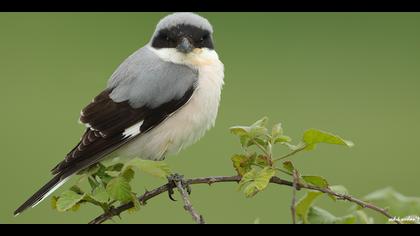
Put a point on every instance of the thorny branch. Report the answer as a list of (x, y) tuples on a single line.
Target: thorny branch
[(223, 179), (187, 203)]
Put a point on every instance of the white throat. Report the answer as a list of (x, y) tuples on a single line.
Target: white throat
[(199, 57)]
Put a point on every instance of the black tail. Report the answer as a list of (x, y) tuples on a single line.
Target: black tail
[(41, 194)]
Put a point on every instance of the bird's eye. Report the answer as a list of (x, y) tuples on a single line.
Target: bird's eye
[(204, 37)]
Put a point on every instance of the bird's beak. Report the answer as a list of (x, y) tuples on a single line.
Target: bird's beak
[(185, 46)]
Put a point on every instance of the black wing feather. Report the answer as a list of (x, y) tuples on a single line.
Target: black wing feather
[(108, 120)]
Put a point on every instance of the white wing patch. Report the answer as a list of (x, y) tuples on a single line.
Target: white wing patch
[(133, 130)]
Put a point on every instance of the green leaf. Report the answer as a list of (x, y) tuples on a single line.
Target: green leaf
[(316, 181), (263, 160), (117, 167), (288, 165), (101, 171), (155, 168), (100, 194), (258, 132), (75, 207), (136, 202), (245, 141), (76, 189), (67, 200), (93, 183), (54, 200), (283, 139), (242, 163), (304, 204), (277, 130), (90, 171), (249, 135), (240, 130), (128, 174), (119, 189), (112, 173), (313, 136), (398, 204), (260, 123), (261, 141), (317, 215), (256, 181)]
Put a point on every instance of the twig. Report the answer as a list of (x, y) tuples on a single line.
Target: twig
[(225, 179), (290, 153), (295, 188), (262, 149), (188, 205)]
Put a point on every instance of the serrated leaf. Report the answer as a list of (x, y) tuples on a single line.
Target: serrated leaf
[(155, 168), (242, 163), (255, 181), (304, 204), (100, 194), (128, 174), (67, 200), (288, 165), (313, 136), (119, 189), (317, 215), (256, 133), (318, 181)]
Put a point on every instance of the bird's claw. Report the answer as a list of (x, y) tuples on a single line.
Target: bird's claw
[(173, 179)]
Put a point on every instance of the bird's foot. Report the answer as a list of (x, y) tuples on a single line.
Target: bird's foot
[(173, 179)]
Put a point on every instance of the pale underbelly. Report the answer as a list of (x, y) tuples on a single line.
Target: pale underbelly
[(180, 130)]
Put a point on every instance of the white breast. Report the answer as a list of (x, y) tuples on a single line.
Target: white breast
[(188, 124)]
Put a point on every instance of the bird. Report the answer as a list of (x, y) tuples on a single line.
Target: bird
[(160, 100)]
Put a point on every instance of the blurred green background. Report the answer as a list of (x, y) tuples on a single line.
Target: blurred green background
[(356, 74)]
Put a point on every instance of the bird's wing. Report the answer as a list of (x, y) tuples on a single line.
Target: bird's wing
[(141, 95)]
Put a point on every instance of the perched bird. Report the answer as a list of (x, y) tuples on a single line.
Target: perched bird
[(161, 99)]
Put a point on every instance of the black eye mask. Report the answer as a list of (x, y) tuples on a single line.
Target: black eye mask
[(170, 38)]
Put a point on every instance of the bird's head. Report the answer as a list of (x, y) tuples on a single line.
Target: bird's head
[(184, 33)]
